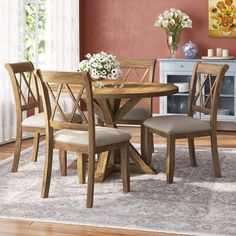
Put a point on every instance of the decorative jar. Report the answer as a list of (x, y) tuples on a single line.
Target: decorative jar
[(190, 49)]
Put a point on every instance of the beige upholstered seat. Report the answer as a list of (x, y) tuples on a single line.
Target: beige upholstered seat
[(177, 124), (173, 127), (139, 113), (85, 139), (103, 136), (141, 70), (38, 120)]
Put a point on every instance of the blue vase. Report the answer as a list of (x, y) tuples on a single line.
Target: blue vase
[(190, 49)]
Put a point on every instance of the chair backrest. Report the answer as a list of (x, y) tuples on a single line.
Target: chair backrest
[(141, 70), (205, 88), (137, 69), (75, 86), (25, 87)]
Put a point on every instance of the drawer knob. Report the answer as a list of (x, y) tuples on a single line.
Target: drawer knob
[(182, 66)]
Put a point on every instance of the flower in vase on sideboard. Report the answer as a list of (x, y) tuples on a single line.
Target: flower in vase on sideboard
[(100, 66), (173, 21)]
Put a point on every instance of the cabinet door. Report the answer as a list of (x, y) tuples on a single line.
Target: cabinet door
[(226, 104), (176, 103)]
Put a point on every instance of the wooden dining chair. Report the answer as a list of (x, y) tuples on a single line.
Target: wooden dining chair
[(27, 104), (85, 139), (175, 127), (28, 115), (141, 70)]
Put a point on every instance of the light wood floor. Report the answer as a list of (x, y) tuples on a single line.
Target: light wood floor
[(34, 228)]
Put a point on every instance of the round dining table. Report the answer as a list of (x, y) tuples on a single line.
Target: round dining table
[(114, 99)]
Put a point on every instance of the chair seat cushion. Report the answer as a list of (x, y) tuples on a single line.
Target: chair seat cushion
[(137, 113), (38, 120), (174, 124), (104, 136)]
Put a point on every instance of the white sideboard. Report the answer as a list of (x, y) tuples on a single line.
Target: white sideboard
[(180, 71)]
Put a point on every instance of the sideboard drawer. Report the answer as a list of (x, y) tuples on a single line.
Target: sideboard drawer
[(178, 66)]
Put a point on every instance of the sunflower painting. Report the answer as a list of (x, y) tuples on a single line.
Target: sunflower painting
[(222, 18)]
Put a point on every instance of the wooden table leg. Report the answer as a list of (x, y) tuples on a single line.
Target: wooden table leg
[(103, 170), (136, 158), (106, 165)]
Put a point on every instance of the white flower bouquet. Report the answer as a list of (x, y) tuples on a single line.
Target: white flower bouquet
[(100, 66), (173, 21)]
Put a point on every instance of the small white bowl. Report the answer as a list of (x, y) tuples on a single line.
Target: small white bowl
[(183, 87)]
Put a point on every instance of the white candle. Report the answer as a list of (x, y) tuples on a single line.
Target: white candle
[(225, 52), (219, 52), (210, 52)]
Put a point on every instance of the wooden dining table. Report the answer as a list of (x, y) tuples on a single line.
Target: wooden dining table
[(114, 99)]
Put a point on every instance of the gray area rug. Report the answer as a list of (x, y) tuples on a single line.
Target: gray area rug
[(196, 204)]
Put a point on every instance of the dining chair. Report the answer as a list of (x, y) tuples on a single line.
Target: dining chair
[(28, 106), (85, 139), (174, 127), (141, 70)]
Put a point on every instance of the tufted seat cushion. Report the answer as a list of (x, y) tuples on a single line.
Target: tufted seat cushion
[(177, 124), (38, 120), (104, 136), (137, 113)]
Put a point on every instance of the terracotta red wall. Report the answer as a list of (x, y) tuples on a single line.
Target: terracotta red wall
[(126, 29)]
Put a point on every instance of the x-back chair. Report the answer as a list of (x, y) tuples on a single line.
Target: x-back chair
[(174, 127), (26, 95), (141, 70), (85, 139), (28, 115)]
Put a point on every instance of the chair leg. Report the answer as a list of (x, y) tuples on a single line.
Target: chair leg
[(17, 149), (81, 167), (192, 155), (215, 156), (170, 161), (90, 187), (147, 146), (47, 169), (63, 162), (143, 143), (35, 147), (124, 168)]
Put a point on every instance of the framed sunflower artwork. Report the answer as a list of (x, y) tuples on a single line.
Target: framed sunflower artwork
[(222, 18)]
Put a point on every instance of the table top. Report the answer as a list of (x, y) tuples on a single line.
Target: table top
[(116, 89)]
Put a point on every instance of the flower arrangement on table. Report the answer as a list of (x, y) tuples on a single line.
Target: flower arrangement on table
[(100, 66), (223, 16), (173, 22)]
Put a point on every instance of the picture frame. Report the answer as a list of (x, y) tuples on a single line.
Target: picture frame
[(222, 18)]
